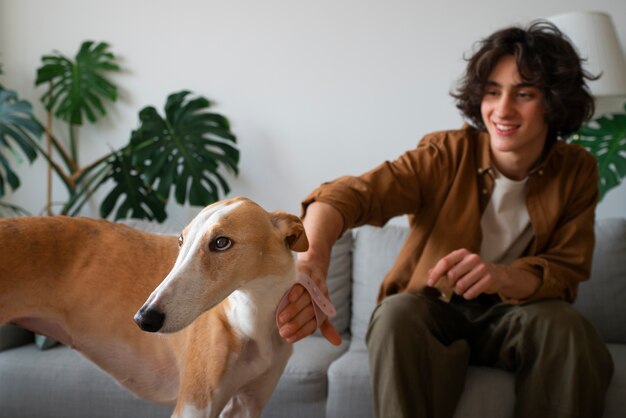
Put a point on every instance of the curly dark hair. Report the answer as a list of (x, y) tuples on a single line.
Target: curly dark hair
[(547, 60)]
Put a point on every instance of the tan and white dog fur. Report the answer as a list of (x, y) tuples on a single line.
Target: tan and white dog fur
[(218, 351)]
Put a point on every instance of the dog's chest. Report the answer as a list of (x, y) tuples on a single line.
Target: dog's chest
[(259, 356), (253, 322)]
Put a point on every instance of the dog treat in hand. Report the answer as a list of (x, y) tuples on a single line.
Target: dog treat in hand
[(322, 306)]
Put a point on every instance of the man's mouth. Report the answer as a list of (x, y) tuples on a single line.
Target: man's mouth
[(504, 129)]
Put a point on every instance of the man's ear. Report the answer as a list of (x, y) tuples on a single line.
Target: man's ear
[(292, 230)]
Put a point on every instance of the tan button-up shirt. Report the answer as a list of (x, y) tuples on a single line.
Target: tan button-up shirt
[(445, 184)]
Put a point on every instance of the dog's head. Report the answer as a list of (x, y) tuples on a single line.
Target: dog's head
[(227, 245)]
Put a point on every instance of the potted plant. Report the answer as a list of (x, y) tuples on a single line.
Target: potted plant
[(605, 138), (182, 151), (19, 131)]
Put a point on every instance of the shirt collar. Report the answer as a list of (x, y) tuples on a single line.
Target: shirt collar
[(485, 165)]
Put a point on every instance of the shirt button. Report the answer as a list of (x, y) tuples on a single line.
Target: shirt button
[(485, 191), (541, 172)]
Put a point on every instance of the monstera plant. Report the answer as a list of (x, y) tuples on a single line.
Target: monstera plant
[(605, 138), (182, 151), (19, 132)]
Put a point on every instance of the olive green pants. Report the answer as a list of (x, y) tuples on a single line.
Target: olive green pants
[(420, 348)]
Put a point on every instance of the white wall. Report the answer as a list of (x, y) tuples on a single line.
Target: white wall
[(314, 89)]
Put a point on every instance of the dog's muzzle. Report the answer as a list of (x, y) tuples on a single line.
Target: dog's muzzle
[(149, 320)]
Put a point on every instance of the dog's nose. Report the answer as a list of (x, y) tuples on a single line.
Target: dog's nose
[(149, 320)]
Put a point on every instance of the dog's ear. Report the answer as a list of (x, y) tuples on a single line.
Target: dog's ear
[(291, 228)]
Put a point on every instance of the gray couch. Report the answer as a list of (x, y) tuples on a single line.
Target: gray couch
[(320, 380)]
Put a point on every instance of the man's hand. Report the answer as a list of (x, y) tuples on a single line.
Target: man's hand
[(469, 276), (297, 320), (466, 273), (323, 225)]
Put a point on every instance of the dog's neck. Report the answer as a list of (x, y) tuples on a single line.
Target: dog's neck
[(253, 306)]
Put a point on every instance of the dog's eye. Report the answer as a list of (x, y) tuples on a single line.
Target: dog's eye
[(180, 241), (220, 244)]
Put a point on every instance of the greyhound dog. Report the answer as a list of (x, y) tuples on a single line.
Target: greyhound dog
[(218, 351)]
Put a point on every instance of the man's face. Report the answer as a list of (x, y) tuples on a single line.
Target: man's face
[(512, 112)]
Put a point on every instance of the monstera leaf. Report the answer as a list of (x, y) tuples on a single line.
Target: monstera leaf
[(605, 138), (18, 128), (183, 151), (141, 202), (78, 87)]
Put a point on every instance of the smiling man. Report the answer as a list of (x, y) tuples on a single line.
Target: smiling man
[(502, 229)]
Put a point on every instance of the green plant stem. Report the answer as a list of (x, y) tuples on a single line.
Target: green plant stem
[(67, 160), (13, 209), (73, 147), (75, 203), (49, 168), (79, 174), (67, 181)]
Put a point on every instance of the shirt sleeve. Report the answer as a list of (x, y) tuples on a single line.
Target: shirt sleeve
[(391, 189)]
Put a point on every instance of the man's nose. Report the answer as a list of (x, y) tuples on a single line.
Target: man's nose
[(504, 107)]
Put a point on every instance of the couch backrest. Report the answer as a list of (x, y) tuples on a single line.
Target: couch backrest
[(339, 282), (602, 299), (373, 253)]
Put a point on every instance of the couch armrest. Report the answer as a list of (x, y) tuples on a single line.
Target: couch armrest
[(12, 336)]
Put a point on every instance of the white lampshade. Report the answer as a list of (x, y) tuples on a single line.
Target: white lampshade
[(594, 36)]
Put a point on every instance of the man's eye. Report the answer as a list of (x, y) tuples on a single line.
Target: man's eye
[(220, 244)]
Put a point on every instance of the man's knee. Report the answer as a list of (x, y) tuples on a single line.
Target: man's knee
[(556, 329), (398, 316), (553, 319)]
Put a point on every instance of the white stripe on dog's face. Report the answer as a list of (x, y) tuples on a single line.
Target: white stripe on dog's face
[(196, 231), (174, 296)]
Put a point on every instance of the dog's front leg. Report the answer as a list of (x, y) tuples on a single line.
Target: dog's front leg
[(199, 401), (242, 405), (250, 400), (187, 409)]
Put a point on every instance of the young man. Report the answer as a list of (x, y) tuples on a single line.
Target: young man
[(502, 224)]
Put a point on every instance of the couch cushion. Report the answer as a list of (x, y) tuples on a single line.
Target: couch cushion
[(374, 252), (61, 383), (601, 298), (615, 399), (349, 386), (44, 343), (338, 281), (303, 388), (11, 336)]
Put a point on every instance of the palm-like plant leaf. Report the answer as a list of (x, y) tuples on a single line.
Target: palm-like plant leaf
[(137, 199), (185, 150), (605, 138), (77, 88), (18, 130)]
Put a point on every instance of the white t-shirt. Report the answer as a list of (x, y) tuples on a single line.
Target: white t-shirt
[(505, 223)]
